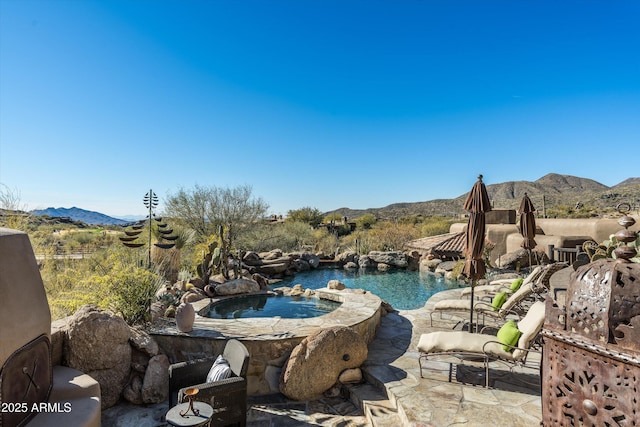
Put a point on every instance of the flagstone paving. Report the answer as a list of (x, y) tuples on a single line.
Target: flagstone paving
[(514, 399), (395, 395)]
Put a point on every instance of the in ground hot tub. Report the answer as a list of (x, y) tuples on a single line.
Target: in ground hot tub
[(270, 305), (268, 339)]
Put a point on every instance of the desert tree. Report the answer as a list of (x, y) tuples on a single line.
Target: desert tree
[(206, 209), (308, 215), (12, 212)]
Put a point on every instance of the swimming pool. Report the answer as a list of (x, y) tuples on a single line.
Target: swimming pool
[(253, 306), (404, 290)]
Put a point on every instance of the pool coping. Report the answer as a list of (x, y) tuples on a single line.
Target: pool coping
[(357, 306)]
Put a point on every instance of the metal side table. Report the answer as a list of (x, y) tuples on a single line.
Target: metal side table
[(191, 414)]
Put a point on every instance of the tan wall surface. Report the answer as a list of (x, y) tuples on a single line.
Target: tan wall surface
[(25, 311)]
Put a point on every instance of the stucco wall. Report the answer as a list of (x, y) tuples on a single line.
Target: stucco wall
[(562, 233)]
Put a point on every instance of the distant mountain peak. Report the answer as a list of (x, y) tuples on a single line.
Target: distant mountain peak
[(78, 214)]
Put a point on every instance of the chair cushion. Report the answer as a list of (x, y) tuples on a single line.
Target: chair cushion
[(451, 304), (530, 325), (516, 284), (461, 342), (498, 300), (508, 335), (220, 370)]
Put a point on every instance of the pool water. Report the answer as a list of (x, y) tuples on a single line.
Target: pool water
[(404, 290), (252, 306)]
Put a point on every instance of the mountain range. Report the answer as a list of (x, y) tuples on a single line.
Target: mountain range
[(77, 214), (550, 190)]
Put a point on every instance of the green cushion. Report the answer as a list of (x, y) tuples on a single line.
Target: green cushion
[(516, 284), (508, 335), (498, 300)]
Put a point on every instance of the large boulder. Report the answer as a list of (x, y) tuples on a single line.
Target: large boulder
[(98, 344), (347, 256), (142, 341), (393, 258), (300, 264), (413, 261), (271, 255), (252, 258), (312, 259), (238, 286), (316, 363), (429, 264), (155, 386), (335, 284), (366, 262)]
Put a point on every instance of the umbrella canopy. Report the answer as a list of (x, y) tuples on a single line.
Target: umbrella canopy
[(477, 204), (527, 223)]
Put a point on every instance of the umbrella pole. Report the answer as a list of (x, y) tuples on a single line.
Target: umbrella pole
[(471, 307)]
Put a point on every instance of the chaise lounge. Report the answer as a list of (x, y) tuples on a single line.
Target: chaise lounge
[(511, 346)]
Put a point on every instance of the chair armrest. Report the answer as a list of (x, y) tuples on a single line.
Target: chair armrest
[(185, 374), (483, 306), (221, 393), (512, 348), (210, 390)]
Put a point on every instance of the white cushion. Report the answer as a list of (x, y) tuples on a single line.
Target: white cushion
[(462, 342), (530, 325), (219, 370)]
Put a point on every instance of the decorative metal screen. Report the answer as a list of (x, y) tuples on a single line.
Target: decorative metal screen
[(587, 389), (591, 357)]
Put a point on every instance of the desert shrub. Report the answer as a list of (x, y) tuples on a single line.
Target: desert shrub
[(389, 236), (432, 226), (457, 269), (130, 292), (334, 217), (308, 215), (288, 236), (360, 241), (112, 279), (565, 211), (324, 241), (365, 221)]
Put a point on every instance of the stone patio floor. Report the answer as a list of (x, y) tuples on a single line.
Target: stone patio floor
[(395, 394)]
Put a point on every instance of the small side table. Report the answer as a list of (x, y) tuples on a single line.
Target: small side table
[(190, 420)]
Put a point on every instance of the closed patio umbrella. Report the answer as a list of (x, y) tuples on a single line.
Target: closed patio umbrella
[(477, 204), (527, 224)]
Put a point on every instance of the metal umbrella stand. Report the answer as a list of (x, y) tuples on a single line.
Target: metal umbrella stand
[(477, 204)]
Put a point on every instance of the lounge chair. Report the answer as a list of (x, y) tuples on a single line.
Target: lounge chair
[(486, 348), (228, 397), (516, 304), (501, 285)]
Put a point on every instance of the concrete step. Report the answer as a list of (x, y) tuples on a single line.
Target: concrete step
[(378, 410)]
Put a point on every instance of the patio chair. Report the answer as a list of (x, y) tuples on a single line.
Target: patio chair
[(511, 346), (501, 285), (228, 397), (515, 304)]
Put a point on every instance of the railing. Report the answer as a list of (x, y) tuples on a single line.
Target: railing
[(569, 255), (76, 254)]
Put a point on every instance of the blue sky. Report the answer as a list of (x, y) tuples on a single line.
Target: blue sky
[(312, 103)]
